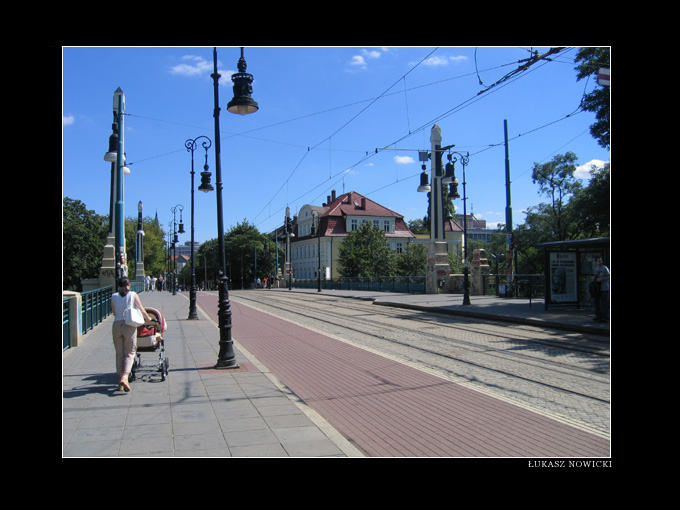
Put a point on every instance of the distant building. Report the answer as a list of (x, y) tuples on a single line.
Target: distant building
[(335, 219), (185, 249), (476, 229)]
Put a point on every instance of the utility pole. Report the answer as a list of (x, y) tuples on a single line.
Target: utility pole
[(509, 242)]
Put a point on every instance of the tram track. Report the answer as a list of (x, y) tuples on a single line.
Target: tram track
[(511, 357)]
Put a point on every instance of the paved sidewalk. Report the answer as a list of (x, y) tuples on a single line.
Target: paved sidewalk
[(297, 393), (196, 412)]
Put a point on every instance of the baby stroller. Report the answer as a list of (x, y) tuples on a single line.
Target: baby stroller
[(150, 339)]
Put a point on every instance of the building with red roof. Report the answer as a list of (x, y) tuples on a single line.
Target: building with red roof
[(334, 220)]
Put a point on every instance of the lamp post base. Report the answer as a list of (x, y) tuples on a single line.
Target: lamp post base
[(193, 314), (226, 358), (221, 365)]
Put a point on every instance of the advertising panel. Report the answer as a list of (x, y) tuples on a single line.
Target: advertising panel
[(563, 277)]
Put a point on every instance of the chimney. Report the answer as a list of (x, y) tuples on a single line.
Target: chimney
[(363, 203), (328, 199), (333, 195)]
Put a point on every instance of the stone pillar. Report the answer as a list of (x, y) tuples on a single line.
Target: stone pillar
[(479, 269), (437, 270)]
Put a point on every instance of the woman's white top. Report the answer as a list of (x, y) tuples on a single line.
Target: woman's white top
[(120, 303)]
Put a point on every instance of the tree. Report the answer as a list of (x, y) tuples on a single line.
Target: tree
[(592, 204), (556, 180), (84, 236), (413, 261), (591, 60), (418, 226), (365, 253), (155, 258)]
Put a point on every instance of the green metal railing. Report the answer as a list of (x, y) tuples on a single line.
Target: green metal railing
[(408, 284), (524, 286), (95, 307), (66, 319)]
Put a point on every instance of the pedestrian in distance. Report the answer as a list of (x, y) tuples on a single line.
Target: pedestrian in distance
[(601, 303), (124, 335)]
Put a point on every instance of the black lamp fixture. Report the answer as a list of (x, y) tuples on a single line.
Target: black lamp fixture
[(241, 104), (175, 240), (205, 186)]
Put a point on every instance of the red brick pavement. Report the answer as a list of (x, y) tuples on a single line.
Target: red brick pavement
[(388, 409)]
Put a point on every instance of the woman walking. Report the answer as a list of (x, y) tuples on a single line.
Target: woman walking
[(124, 335)]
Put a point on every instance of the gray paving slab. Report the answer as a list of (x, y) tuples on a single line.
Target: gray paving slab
[(197, 411)]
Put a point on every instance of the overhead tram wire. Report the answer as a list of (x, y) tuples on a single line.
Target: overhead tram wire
[(373, 101), (507, 79)]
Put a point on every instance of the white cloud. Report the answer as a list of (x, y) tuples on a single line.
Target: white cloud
[(442, 61), (403, 160), (583, 171), (198, 66), (192, 66), (67, 120), (360, 61)]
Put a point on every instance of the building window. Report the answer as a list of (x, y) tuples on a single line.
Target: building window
[(386, 225), (354, 226), (400, 248)]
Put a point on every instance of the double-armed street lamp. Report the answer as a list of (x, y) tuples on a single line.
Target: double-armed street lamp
[(242, 104), (175, 240), (205, 187), (289, 260), (316, 227), (450, 178)]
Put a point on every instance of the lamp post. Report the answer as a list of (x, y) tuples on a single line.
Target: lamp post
[(173, 210), (242, 104), (119, 206), (139, 253), (317, 220), (289, 259), (450, 178), (205, 187)]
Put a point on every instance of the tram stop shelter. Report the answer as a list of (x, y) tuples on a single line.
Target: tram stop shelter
[(569, 268)]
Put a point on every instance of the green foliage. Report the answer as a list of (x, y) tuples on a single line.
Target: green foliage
[(365, 253), (590, 60), (242, 244), (413, 261), (155, 253), (83, 236)]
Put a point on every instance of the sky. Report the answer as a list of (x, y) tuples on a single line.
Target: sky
[(329, 118)]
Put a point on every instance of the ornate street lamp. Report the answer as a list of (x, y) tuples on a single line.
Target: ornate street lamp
[(317, 223), (450, 178), (205, 186), (241, 104), (175, 240)]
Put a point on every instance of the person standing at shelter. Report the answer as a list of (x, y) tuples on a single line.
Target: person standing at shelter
[(125, 336), (602, 276)]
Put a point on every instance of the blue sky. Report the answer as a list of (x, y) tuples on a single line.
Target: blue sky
[(323, 113)]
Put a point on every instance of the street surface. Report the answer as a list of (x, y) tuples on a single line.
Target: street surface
[(559, 374)]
